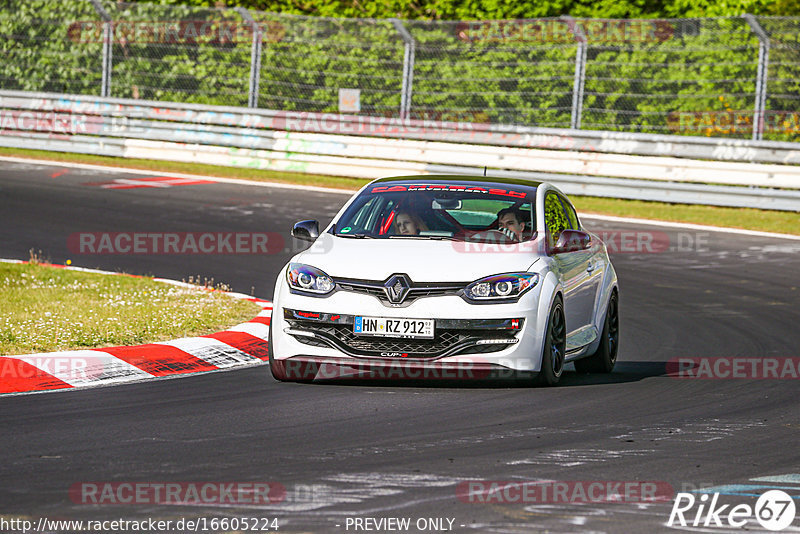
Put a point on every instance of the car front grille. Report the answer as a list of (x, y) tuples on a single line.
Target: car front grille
[(417, 290), (446, 341)]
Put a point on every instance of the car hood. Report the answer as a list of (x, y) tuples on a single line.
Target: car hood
[(422, 260)]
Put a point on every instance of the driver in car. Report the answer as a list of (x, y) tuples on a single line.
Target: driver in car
[(510, 221), (407, 223)]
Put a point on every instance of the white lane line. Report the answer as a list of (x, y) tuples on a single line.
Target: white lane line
[(68, 267), (688, 226), (176, 175), (790, 478)]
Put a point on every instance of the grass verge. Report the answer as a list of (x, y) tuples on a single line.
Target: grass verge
[(746, 218), (782, 222), (44, 309)]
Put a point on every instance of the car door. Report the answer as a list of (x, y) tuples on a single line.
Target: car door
[(592, 269), (573, 266)]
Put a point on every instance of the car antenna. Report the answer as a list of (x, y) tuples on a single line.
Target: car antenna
[(484, 171)]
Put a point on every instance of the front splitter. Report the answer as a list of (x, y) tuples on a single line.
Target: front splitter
[(304, 368)]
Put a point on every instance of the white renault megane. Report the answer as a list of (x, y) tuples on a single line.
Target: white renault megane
[(444, 277)]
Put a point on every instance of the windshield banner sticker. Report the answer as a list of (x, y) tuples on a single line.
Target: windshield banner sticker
[(449, 188)]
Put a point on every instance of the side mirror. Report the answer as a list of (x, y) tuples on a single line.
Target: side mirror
[(571, 241), (306, 230)]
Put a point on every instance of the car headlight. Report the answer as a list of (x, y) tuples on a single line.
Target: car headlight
[(309, 279), (501, 287)]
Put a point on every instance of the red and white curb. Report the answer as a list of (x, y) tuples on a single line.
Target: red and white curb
[(242, 345)]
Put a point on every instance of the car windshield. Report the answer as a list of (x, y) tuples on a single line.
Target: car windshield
[(466, 212)]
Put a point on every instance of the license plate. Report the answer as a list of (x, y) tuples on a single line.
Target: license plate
[(388, 327)]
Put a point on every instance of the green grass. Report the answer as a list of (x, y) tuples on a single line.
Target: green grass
[(783, 222), (45, 309), (746, 218)]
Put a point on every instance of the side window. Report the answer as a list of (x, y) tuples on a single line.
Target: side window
[(530, 219), (554, 218), (367, 216), (572, 217)]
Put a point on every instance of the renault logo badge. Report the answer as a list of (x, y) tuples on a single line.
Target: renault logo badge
[(396, 288)]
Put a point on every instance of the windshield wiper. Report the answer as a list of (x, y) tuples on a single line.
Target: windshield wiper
[(354, 236), (436, 237)]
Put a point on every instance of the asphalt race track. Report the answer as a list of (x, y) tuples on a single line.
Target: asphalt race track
[(384, 450)]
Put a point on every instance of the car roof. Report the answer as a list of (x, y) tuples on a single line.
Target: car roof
[(458, 179)]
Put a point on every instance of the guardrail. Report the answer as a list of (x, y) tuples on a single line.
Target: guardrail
[(626, 165)]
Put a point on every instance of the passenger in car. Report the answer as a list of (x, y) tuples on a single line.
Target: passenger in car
[(407, 223)]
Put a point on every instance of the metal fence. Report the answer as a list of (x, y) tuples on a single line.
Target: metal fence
[(735, 77)]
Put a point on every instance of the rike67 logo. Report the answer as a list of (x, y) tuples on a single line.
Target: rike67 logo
[(774, 510)]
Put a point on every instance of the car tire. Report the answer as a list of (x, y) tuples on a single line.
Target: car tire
[(555, 346), (604, 358), (278, 369)]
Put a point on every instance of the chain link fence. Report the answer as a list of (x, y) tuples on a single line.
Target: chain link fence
[(735, 77), (179, 54), (38, 53), (687, 75), (305, 61), (782, 92)]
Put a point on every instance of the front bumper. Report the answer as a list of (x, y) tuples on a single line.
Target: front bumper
[(452, 336), (504, 336)]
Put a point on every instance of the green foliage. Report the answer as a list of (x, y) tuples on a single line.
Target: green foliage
[(510, 9), (669, 85), (40, 54), (157, 57), (691, 77), (306, 60), (477, 73), (783, 74), (554, 217)]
